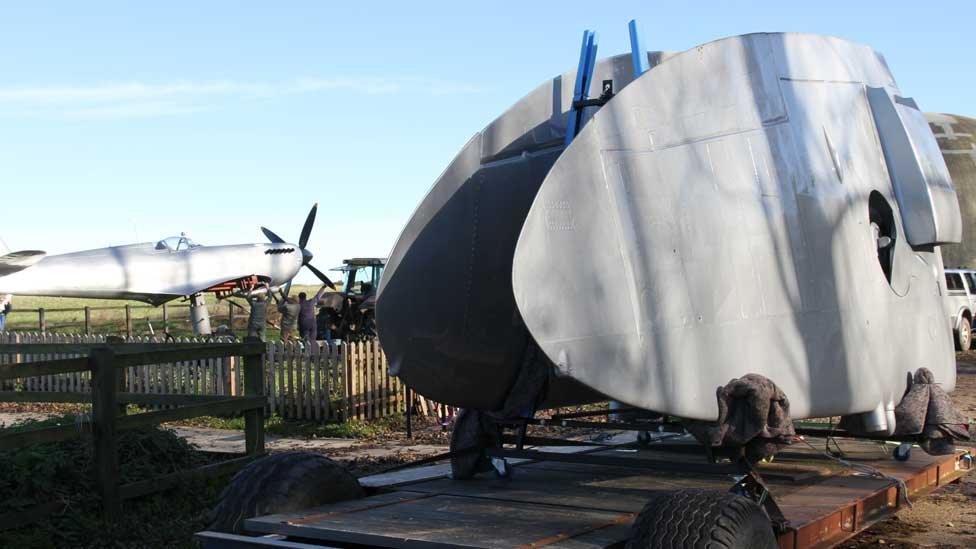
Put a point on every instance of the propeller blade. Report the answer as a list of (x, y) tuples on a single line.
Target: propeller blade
[(321, 276), (271, 236), (307, 229)]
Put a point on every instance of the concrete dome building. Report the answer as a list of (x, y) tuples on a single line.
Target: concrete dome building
[(957, 139)]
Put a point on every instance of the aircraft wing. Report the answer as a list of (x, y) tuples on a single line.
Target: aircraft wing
[(18, 261), (166, 292), (156, 295)]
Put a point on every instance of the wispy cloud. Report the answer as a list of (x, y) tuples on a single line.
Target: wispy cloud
[(139, 99)]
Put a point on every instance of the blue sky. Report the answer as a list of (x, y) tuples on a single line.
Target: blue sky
[(124, 122)]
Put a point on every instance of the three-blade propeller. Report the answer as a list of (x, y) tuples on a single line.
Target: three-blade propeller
[(302, 242)]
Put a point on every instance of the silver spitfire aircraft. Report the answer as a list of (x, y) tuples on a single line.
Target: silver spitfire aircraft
[(157, 272)]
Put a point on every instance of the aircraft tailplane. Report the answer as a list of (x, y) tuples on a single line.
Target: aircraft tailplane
[(18, 261)]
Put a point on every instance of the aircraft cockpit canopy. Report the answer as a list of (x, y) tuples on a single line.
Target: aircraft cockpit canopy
[(176, 243)]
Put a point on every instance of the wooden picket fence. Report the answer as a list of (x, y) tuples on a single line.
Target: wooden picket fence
[(301, 380), (349, 381)]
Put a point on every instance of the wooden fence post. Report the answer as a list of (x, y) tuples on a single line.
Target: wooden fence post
[(232, 388), (347, 380), (41, 321), (128, 321), (88, 326), (165, 319), (409, 413), (101, 360), (254, 386), (230, 315)]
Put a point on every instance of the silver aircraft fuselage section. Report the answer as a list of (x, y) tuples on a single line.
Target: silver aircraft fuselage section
[(152, 273), (766, 204), (715, 219), (445, 309)]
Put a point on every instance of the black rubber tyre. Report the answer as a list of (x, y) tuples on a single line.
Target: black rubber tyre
[(964, 335), (280, 483), (701, 518)]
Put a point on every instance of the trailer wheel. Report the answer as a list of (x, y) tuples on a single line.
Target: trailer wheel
[(702, 518), (903, 452), (281, 483), (964, 335), (644, 439)]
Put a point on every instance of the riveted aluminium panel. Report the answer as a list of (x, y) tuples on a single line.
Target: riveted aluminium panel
[(445, 311), (919, 174), (715, 220)]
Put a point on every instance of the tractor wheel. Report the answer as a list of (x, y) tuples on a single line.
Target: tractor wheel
[(280, 483), (964, 335), (701, 518)]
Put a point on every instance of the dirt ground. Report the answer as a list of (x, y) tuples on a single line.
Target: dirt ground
[(361, 456), (946, 518)]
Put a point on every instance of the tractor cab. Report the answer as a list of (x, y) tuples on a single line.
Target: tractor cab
[(361, 277), (350, 314)]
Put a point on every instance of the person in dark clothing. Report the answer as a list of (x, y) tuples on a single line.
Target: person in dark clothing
[(289, 309), (324, 322), (258, 317), (4, 310), (306, 318)]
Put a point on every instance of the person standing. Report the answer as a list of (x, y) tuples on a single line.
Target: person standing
[(289, 309), (5, 307), (324, 321), (257, 320), (306, 317)]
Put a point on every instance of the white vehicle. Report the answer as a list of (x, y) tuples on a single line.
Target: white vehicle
[(959, 303)]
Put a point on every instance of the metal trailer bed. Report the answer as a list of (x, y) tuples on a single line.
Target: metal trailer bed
[(568, 502)]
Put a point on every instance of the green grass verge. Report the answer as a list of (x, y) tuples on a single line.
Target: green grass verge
[(63, 472), (276, 425)]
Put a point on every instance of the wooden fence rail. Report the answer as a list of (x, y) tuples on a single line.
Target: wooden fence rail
[(234, 312), (103, 363), (301, 380)]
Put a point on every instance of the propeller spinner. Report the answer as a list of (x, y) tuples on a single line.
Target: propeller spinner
[(302, 242)]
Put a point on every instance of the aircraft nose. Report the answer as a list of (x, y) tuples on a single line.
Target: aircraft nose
[(306, 256)]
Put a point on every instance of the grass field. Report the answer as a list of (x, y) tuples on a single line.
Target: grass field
[(65, 315)]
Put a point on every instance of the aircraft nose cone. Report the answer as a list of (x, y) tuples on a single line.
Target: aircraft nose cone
[(306, 256)]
